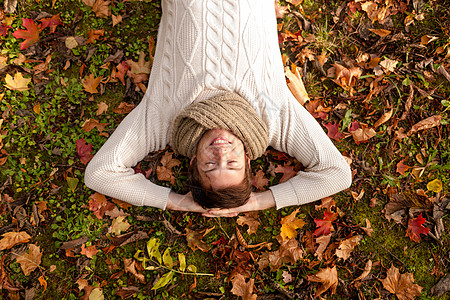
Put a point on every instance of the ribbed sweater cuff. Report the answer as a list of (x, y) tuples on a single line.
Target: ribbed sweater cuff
[(284, 194), (158, 198)]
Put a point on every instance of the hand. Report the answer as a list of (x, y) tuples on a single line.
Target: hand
[(257, 201), (183, 203)]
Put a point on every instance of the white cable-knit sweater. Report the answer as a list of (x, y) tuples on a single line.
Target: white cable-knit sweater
[(205, 47)]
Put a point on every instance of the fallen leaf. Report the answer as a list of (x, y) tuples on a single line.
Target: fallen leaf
[(250, 219), (52, 22), (4, 29), (90, 84), (280, 10), (329, 279), (380, 32), (259, 181), (426, 39), (96, 294), (116, 19), (290, 251), (368, 229), (333, 131), (362, 134), (346, 78), (10, 239), (165, 172), (89, 251), (139, 70), (94, 35), (72, 183), (243, 288), (288, 172), (287, 277), (102, 107), (30, 260), (384, 118), (194, 239), (122, 69), (415, 228), (402, 168), (324, 225), (90, 124), (425, 124), (326, 203), (123, 108), (323, 242), (30, 35), (84, 151), (401, 285), (130, 267), (99, 205), (434, 186), (296, 86), (119, 225), (346, 247), (290, 224), (43, 282), (366, 271), (17, 83)]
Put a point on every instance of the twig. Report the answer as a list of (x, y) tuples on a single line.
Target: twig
[(393, 255), (220, 225)]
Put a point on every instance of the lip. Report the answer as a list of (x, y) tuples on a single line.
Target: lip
[(220, 141)]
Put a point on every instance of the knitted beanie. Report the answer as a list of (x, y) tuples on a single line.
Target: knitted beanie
[(228, 111)]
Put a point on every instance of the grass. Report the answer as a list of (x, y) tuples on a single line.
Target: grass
[(40, 128)]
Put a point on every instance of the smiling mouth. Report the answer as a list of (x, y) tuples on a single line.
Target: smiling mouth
[(220, 141)]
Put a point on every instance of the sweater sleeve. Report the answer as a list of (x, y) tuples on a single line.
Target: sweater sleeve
[(110, 172), (326, 171)]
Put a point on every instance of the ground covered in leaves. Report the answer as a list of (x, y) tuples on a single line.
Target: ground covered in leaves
[(377, 75)]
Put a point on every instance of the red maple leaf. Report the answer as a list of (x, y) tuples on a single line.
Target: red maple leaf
[(324, 226), (30, 35), (51, 22), (287, 170), (99, 205), (84, 151), (122, 69), (353, 126), (333, 131), (415, 228), (4, 29)]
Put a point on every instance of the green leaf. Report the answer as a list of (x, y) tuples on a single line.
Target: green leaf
[(72, 183), (182, 260), (347, 119), (163, 281), (167, 259), (152, 249), (192, 269)]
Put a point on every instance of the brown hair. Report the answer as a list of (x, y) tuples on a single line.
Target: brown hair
[(229, 197)]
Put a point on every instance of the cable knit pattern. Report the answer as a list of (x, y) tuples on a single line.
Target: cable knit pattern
[(206, 47)]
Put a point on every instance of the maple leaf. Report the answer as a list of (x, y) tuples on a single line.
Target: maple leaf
[(333, 131), (324, 225), (130, 267), (31, 260), (287, 171), (89, 251), (329, 279), (361, 132), (346, 78), (402, 168), (290, 251), (326, 203), (401, 285), (415, 228), (4, 29), (164, 172), (388, 65), (30, 35), (346, 247), (289, 225), (123, 108), (101, 8), (323, 242), (250, 219), (51, 22), (94, 35), (122, 69), (243, 288), (90, 124), (17, 83), (425, 124), (84, 151), (119, 225), (139, 70), (194, 239), (102, 107), (99, 205), (90, 84), (316, 109), (259, 181), (116, 19), (10, 239)]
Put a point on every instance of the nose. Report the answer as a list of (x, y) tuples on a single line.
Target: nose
[(221, 153)]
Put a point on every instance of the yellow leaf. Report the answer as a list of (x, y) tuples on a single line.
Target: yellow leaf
[(37, 108), (17, 83), (296, 86), (43, 282), (289, 226), (435, 186)]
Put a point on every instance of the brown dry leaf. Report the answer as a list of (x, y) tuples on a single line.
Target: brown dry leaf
[(90, 84), (88, 251), (426, 39), (368, 229), (380, 32), (295, 2), (10, 239), (366, 271), (363, 134), (130, 266), (323, 242), (123, 108), (425, 124), (119, 225), (388, 65), (139, 70), (116, 19), (250, 219), (289, 225), (194, 239), (259, 180), (296, 86), (280, 10), (102, 107), (290, 251), (326, 203), (43, 282), (101, 8), (401, 285), (346, 78), (90, 124), (242, 288), (384, 118), (346, 247), (99, 205), (329, 279), (165, 172), (94, 35), (31, 260)]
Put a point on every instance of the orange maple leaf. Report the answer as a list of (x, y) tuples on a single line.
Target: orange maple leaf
[(90, 84)]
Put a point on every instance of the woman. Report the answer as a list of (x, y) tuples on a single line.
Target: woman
[(218, 66)]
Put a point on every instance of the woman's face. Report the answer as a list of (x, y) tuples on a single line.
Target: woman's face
[(221, 159)]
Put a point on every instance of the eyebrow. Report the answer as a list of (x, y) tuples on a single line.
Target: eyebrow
[(237, 169)]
